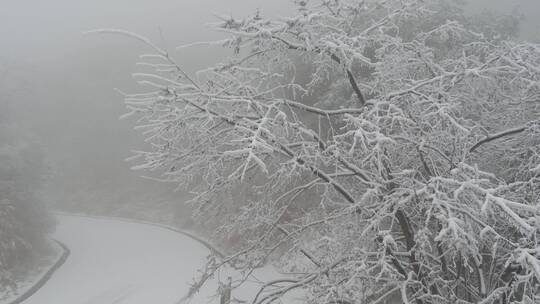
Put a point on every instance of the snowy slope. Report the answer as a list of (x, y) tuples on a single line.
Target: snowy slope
[(119, 262), (32, 281)]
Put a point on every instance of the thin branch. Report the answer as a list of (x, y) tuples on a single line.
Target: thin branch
[(320, 111), (497, 136), (334, 57)]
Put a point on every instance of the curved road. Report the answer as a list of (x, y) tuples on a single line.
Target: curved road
[(116, 262)]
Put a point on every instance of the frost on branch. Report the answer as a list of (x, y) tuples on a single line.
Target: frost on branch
[(384, 149)]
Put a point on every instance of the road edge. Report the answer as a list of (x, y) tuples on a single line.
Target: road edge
[(212, 248), (46, 276)]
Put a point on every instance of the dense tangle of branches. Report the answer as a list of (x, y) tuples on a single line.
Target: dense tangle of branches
[(377, 174)]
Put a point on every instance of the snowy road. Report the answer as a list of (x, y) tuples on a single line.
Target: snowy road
[(115, 262)]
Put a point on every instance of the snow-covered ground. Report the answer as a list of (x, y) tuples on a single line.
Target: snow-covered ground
[(120, 262)]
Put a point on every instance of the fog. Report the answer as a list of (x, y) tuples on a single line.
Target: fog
[(58, 87), (68, 99)]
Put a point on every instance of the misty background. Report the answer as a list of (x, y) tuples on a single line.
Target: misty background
[(59, 84)]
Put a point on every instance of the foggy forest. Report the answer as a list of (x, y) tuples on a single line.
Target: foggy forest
[(270, 151)]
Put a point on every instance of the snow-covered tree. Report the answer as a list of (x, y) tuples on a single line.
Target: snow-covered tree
[(24, 222), (414, 173), (23, 219)]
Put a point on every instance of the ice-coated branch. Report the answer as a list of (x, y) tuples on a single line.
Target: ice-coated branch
[(162, 53), (334, 57), (285, 166), (496, 136)]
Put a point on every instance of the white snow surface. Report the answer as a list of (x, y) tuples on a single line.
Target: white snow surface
[(117, 262)]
